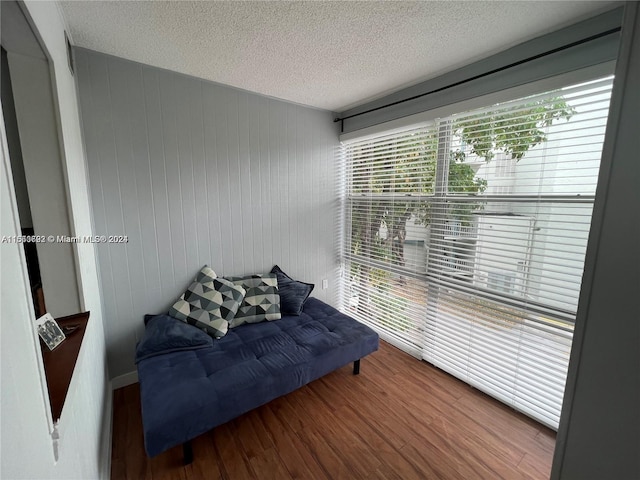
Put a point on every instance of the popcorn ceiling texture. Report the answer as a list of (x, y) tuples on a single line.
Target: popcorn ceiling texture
[(330, 55)]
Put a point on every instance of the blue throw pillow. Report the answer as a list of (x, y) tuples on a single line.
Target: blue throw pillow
[(165, 334), (293, 294)]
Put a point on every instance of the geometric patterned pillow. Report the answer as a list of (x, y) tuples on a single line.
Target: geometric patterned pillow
[(261, 301), (209, 303), (206, 274)]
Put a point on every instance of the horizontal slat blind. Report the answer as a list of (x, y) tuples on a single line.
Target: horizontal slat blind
[(466, 239), (387, 177)]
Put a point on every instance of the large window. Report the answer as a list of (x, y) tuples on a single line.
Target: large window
[(466, 239)]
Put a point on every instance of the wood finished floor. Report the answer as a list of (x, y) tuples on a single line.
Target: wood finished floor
[(399, 419)]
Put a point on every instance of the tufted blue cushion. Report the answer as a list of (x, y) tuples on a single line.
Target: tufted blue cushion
[(164, 334), (185, 394)]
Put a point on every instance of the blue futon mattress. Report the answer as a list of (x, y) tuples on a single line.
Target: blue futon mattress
[(187, 393)]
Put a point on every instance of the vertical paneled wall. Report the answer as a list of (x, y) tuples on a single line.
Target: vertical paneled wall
[(195, 173)]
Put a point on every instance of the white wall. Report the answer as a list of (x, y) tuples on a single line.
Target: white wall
[(197, 173), (84, 427)]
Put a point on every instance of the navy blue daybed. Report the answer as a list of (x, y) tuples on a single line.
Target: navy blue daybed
[(189, 392)]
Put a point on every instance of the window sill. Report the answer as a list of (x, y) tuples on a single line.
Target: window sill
[(60, 363)]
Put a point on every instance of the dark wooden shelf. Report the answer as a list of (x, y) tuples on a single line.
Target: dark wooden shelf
[(60, 362)]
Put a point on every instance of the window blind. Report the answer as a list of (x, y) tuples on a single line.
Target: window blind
[(466, 239), (388, 180)]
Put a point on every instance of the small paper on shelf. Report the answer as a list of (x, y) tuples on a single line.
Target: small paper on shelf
[(49, 331)]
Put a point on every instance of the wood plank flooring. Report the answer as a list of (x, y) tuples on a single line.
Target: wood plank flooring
[(399, 419)]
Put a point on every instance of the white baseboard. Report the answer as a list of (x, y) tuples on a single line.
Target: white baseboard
[(124, 380)]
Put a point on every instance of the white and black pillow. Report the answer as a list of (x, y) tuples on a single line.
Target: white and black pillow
[(206, 274), (261, 301), (210, 303)]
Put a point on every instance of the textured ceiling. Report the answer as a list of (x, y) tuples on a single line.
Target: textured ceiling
[(331, 55)]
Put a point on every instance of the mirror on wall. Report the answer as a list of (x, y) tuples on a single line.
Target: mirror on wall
[(30, 116)]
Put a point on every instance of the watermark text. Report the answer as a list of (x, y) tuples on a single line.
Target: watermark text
[(64, 239)]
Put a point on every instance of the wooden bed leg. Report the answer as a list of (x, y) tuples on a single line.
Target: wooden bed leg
[(356, 367), (187, 451)]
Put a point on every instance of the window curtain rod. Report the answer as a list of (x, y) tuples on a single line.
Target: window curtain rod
[(485, 74)]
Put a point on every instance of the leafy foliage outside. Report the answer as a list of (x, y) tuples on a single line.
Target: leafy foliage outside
[(380, 192), (409, 169), (513, 131)]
